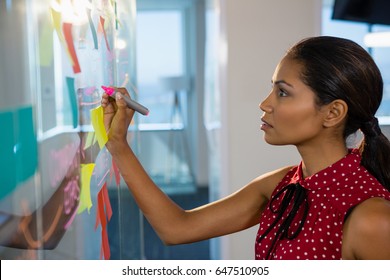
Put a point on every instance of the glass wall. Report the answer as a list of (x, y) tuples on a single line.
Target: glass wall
[(61, 196)]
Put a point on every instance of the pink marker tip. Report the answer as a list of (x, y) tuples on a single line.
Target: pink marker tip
[(110, 91)]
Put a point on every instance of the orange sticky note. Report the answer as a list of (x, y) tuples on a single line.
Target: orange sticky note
[(102, 20), (107, 202), (103, 214), (98, 126), (101, 217), (67, 28), (104, 210), (105, 245), (115, 170), (57, 19)]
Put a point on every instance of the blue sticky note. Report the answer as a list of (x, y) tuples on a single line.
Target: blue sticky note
[(73, 100), (93, 29), (7, 155), (27, 153), (18, 148)]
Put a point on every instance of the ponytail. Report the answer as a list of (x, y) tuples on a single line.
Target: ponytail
[(375, 151)]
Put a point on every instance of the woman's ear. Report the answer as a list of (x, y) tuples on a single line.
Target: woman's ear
[(336, 112)]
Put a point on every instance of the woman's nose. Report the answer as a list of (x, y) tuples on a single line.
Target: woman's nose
[(265, 105)]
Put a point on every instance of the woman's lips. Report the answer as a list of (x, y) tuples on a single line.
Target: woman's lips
[(265, 125)]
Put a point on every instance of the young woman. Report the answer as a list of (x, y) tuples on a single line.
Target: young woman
[(335, 204)]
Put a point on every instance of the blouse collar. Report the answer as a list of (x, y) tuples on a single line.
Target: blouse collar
[(330, 174)]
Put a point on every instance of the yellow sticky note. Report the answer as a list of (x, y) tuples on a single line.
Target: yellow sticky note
[(46, 45), (98, 126), (56, 20), (85, 193), (89, 140)]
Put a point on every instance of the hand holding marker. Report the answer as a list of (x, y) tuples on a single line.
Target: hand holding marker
[(130, 103)]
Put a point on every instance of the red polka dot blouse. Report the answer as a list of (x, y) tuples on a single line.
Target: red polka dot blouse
[(304, 217)]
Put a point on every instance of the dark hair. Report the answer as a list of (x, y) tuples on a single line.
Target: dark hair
[(337, 68)]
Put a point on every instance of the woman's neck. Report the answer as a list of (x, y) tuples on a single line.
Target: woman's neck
[(315, 159)]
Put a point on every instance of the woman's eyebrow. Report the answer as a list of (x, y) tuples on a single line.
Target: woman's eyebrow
[(283, 82)]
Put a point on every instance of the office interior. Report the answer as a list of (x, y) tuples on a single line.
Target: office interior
[(201, 67)]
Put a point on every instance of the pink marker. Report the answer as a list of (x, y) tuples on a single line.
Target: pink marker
[(130, 102)]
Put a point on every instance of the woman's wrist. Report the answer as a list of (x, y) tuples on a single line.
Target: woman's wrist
[(117, 147)]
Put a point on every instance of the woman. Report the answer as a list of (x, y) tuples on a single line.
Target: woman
[(334, 205)]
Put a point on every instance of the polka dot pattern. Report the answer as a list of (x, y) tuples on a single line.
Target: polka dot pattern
[(330, 194)]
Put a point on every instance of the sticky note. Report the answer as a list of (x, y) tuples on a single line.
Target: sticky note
[(28, 147), (102, 20), (18, 148), (115, 170), (105, 245), (107, 202), (46, 45), (104, 214), (8, 159), (98, 126), (93, 30), (89, 140), (67, 29), (85, 193), (73, 100), (101, 217), (56, 19)]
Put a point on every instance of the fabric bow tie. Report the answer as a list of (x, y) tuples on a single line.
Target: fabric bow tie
[(296, 194)]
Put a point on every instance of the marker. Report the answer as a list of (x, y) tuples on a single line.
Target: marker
[(130, 102)]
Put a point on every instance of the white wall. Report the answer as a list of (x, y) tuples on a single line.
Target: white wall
[(257, 33)]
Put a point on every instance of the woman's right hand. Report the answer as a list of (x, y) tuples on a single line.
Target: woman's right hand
[(117, 118)]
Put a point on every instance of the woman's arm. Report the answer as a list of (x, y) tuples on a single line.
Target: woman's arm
[(366, 232), (173, 224)]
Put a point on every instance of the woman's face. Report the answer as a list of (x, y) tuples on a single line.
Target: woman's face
[(291, 116)]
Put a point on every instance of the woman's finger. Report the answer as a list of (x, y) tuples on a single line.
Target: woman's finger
[(123, 91)]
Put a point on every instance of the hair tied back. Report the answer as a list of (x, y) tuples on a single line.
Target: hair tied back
[(371, 128)]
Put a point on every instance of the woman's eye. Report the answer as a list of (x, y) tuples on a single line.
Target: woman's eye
[(282, 93)]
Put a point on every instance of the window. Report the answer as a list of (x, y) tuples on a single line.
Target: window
[(166, 83), (356, 31), (161, 63)]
